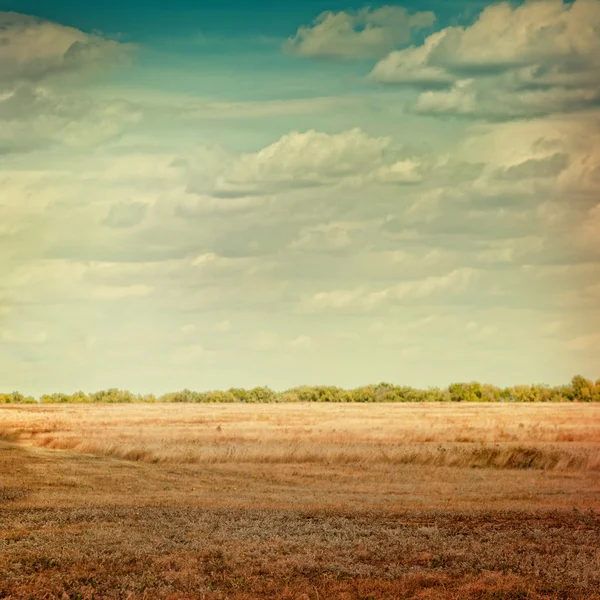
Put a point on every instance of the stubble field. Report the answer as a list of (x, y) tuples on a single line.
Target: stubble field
[(300, 501)]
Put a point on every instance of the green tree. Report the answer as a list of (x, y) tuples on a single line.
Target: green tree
[(465, 392), (583, 389)]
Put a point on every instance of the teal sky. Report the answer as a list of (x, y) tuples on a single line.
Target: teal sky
[(216, 194)]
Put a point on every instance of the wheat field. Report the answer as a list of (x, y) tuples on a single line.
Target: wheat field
[(300, 501)]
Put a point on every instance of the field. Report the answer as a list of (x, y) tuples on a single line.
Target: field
[(300, 501)]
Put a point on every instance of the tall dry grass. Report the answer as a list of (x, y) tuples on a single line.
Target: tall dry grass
[(549, 437)]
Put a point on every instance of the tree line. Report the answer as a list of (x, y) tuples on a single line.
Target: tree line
[(579, 389)]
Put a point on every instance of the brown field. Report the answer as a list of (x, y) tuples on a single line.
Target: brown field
[(297, 501)]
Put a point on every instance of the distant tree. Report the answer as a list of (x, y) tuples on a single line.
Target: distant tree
[(113, 395), (55, 399), (16, 398), (579, 389), (239, 394), (465, 392), (182, 396), (261, 394), (219, 396), (583, 389)]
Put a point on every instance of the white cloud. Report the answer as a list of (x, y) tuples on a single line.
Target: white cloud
[(402, 171), (535, 58), (34, 116), (406, 291), (312, 159), (410, 66), (205, 259), (363, 34), (304, 160), (32, 49), (342, 234), (497, 98)]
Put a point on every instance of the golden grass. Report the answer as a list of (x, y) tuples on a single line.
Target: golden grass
[(550, 437), (300, 502)]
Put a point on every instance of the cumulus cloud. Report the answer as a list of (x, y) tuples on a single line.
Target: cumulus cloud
[(304, 159), (536, 58), (362, 34), (498, 99), (39, 63), (32, 49), (254, 222), (411, 66), (312, 159)]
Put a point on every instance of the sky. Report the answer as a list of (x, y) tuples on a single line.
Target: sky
[(213, 194)]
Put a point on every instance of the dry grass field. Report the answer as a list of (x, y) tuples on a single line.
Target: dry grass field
[(300, 501)]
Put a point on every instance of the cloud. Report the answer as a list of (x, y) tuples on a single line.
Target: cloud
[(510, 250), (304, 160), (33, 116), (584, 342), (549, 166), (497, 98), (535, 58), (33, 49), (125, 215), (333, 236), (406, 291), (312, 159), (362, 34), (195, 206), (401, 171), (411, 66)]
